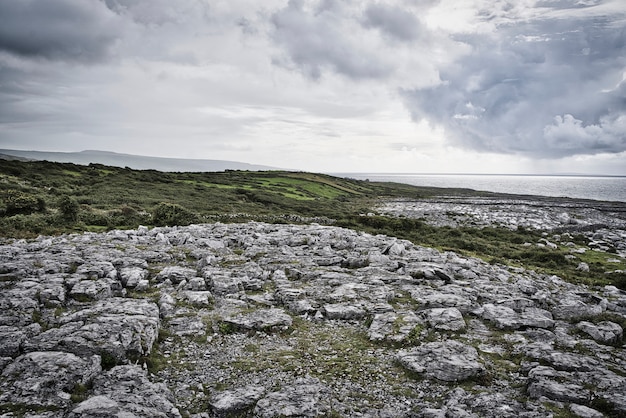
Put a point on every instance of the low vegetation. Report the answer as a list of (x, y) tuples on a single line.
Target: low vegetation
[(47, 198)]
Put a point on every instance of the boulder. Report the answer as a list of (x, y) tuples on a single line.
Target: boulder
[(505, 317), (201, 299), (343, 311), (444, 300), (583, 411), (546, 382), (175, 274), (445, 319), (304, 398), (131, 276), (237, 401), (604, 332), (261, 320), (125, 391), (448, 361), (501, 316), (46, 379), (394, 327), (118, 327), (571, 309), (89, 290)]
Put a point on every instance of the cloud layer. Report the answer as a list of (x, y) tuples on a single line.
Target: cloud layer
[(548, 87), (319, 84)]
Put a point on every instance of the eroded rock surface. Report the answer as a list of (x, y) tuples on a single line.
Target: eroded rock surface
[(296, 320)]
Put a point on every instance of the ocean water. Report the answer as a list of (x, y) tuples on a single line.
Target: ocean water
[(580, 187)]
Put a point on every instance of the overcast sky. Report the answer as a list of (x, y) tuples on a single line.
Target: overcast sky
[(483, 86)]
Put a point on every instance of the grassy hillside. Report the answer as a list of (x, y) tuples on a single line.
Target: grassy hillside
[(40, 197)]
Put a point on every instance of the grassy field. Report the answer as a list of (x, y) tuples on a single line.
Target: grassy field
[(45, 198)]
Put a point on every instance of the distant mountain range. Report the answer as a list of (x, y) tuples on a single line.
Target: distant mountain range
[(137, 162)]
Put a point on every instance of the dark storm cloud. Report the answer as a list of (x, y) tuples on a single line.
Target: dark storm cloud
[(72, 30), (548, 87), (327, 36), (393, 21)]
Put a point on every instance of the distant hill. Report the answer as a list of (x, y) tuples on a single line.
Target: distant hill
[(13, 157), (137, 162)]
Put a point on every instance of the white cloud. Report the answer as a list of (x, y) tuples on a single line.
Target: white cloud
[(413, 85), (524, 73)]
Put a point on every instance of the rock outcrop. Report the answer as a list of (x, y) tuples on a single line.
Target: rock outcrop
[(295, 320)]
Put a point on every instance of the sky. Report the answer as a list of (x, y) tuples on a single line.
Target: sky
[(413, 86)]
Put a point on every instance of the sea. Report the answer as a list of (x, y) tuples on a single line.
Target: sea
[(606, 188)]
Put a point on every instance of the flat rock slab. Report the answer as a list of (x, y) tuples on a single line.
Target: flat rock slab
[(604, 332), (446, 319), (115, 326), (46, 379), (260, 320), (449, 361), (232, 402), (305, 398), (125, 391)]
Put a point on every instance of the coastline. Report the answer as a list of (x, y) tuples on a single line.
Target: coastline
[(587, 187)]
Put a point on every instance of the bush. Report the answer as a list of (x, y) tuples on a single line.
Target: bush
[(17, 202), (170, 214), (25, 225), (69, 209)]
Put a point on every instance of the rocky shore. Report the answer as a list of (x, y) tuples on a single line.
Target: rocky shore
[(255, 319)]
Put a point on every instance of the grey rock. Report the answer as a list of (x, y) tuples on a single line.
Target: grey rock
[(444, 300), (547, 382), (446, 319), (556, 391), (449, 361), (186, 326), (116, 326), (336, 280), (382, 325), (11, 339), (198, 298), (175, 274), (97, 270), (394, 327), (584, 267), (46, 379), (537, 318), (261, 320), (305, 398), (225, 284), (237, 401), (52, 293), (98, 406), (167, 305), (502, 316), (570, 309), (343, 311), (196, 284), (131, 276), (125, 391), (584, 411), (604, 332), (89, 290)]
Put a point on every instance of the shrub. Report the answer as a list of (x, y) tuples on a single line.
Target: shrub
[(69, 209), (170, 214), (17, 202)]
